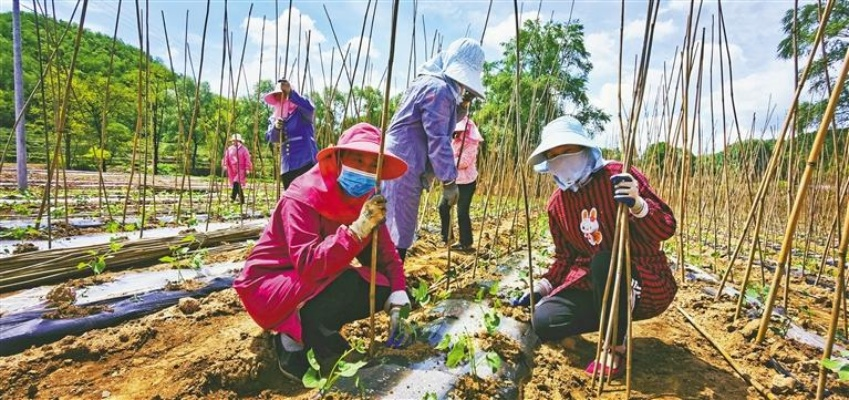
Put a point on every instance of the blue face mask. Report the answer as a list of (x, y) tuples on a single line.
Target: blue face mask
[(356, 183)]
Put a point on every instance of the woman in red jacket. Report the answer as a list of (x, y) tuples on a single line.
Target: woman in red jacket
[(300, 280), (582, 220)]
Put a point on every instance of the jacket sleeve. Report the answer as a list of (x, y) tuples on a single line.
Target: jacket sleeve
[(272, 135), (225, 160), (659, 224), (249, 165), (438, 119), (305, 107), (469, 155), (313, 256), (388, 261), (564, 255)]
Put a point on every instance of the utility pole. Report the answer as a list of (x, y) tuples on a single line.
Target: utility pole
[(21, 133)]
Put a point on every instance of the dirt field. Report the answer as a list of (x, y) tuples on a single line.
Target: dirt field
[(218, 352)]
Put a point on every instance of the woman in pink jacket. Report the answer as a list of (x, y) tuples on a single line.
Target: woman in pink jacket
[(465, 142), (301, 280), (237, 162)]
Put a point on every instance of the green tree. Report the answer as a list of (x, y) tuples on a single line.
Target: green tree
[(554, 70), (836, 41)]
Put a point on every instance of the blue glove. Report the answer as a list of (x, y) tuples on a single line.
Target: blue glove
[(525, 300), (398, 336), (625, 189)]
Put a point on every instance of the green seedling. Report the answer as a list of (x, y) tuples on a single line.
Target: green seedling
[(493, 360), (430, 396), (20, 233), (112, 227), (179, 255), (491, 321), (841, 366), (97, 263), (21, 208), (757, 292), (313, 379), (420, 293)]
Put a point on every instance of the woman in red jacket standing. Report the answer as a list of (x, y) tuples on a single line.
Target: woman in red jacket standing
[(300, 280), (582, 220)]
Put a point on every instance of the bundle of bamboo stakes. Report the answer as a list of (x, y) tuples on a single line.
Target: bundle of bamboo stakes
[(46, 266)]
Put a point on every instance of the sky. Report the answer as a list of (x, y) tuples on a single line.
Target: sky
[(762, 82)]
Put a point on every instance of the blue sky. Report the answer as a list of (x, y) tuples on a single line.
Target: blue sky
[(761, 81)]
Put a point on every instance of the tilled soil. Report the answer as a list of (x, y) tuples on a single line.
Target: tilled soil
[(216, 351)]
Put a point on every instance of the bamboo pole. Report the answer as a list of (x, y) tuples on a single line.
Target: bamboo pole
[(775, 159), (384, 124), (764, 392), (787, 243), (620, 264), (837, 301)]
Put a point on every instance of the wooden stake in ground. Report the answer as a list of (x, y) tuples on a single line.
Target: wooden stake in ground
[(384, 121), (787, 244), (836, 302), (620, 262)]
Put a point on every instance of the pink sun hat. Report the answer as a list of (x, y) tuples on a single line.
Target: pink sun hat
[(365, 138)]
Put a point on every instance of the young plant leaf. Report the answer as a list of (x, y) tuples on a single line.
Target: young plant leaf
[(834, 365), (312, 360), (493, 360), (445, 343), (457, 353), (312, 380), (348, 370)]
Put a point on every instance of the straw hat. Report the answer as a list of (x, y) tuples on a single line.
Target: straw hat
[(237, 137)]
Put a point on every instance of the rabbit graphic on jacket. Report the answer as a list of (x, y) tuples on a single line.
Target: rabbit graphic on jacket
[(589, 226)]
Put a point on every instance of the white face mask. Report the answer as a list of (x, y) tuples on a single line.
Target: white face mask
[(569, 169)]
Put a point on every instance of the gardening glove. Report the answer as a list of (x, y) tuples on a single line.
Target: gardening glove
[(398, 337), (626, 190), (450, 193), (372, 214), (542, 288)]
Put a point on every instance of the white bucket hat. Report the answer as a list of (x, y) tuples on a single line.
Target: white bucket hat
[(237, 137), (464, 64), (562, 131)]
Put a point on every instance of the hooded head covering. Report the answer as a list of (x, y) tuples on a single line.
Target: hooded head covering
[(562, 131), (318, 187), (462, 62)]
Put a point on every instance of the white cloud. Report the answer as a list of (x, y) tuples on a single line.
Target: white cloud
[(636, 29), (502, 32)]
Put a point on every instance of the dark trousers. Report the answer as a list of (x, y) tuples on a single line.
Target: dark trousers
[(346, 299), (402, 253), (290, 176), (573, 312), (467, 190), (237, 191)]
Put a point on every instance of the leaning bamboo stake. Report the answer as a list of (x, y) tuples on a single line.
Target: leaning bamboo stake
[(46, 133), (775, 159), (522, 173), (746, 377), (787, 243), (384, 125), (838, 299), (620, 264)]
